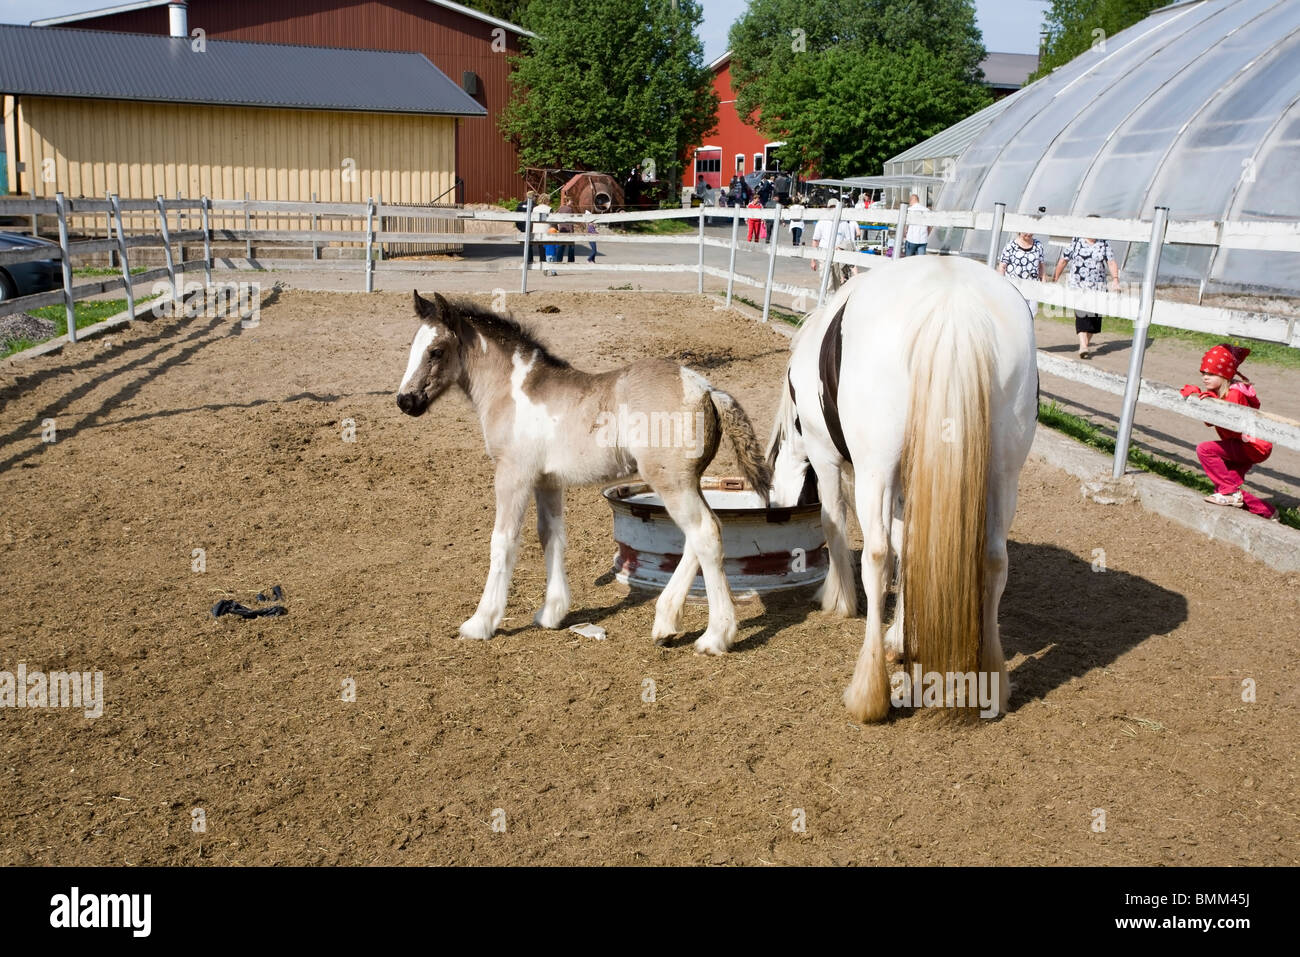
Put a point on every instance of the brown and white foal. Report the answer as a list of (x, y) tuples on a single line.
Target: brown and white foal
[(548, 425)]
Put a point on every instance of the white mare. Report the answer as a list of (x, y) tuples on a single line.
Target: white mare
[(937, 400)]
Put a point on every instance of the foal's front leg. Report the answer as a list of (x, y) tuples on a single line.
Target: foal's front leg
[(550, 529), (512, 500)]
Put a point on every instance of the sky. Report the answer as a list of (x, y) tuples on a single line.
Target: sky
[(1009, 26)]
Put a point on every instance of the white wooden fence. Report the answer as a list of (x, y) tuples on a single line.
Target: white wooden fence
[(1132, 305)]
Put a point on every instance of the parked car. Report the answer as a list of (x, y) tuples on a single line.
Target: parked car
[(33, 276)]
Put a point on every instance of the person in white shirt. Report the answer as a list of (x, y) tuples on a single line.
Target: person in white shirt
[(864, 204), (918, 236), (541, 211), (844, 236), (796, 220)]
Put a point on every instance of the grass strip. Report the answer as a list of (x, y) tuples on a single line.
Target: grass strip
[(86, 313)]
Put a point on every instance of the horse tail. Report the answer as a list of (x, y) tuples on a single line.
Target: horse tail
[(945, 476), (735, 423)]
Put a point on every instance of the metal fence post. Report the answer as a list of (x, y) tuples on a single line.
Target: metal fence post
[(69, 304), (731, 265), (370, 242), (528, 241), (381, 225), (315, 246), (248, 228), (773, 234), (108, 232), (207, 241), (699, 285), (995, 237), (167, 251), (829, 262), (1140, 327), (122, 255), (900, 233)]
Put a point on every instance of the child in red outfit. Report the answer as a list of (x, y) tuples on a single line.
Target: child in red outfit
[(1227, 461), (757, 227)]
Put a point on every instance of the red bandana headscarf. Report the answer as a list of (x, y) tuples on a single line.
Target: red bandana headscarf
[(1223, 360)]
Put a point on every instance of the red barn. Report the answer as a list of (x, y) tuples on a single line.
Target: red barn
[(738, 147), (735, 147), (469, 46)]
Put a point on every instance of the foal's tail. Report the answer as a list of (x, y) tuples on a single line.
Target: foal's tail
[(740, 430), (945, 469)]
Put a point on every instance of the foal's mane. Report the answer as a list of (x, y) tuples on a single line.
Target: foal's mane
[(505, 330)]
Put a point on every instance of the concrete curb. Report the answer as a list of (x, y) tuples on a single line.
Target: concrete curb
[(1275, 544)]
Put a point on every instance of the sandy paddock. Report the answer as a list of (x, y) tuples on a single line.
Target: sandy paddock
[(197, 434)]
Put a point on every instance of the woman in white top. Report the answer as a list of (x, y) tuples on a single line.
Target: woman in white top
[(1089, 260), (1024, 258)]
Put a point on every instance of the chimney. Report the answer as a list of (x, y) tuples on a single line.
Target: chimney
[(179, 16)]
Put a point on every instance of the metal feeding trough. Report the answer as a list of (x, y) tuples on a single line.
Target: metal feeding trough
[(765, 549)]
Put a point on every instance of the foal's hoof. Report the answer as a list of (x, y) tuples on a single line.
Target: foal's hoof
[(708, 644), (477, 629)]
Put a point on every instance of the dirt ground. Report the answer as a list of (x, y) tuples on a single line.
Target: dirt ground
[(198, 434)]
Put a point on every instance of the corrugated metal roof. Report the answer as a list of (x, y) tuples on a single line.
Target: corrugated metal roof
[(145, 4), (955, 139), (42, 61), (879, 182)]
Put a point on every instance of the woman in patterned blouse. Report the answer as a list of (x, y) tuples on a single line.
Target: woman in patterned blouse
[(1090, 260), (1024, 258)]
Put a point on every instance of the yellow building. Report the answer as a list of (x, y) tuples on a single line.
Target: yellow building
[(87, 113)]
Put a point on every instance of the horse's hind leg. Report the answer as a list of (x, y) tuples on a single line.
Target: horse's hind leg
[(867, 696), (1001, 507), (512, 502), (703, 534), (550, 529), (838, 593), (894, 637)]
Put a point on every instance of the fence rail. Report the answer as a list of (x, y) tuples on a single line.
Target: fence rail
[(112, 208)]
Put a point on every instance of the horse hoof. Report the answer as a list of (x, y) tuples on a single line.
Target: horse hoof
[(476, 629), (708, 644), (663, 634), (861, 707), (549, 617)]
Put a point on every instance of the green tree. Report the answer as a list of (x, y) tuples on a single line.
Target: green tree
[(609, 84), (508, 10), (849, 83), (1071, 27)]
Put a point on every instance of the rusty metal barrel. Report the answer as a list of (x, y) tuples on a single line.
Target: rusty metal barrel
[(764, 549)]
